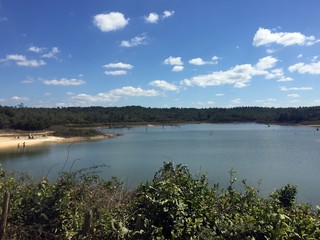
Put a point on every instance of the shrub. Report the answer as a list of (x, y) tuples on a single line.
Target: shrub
[(175, 205)]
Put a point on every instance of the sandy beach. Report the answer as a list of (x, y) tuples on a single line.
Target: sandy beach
[(18, 140)]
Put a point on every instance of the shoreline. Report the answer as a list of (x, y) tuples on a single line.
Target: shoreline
[(16, 140)]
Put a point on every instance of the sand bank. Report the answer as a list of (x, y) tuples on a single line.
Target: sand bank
[(16, 140)]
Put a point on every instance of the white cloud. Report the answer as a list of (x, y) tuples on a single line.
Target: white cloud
[(275, 73), (285, 79), (269, 102), (236, 101), (266, 62), (64, 82), (152, 18), (136, 41), (238, 76), (116, 72), (23, 61), (265, 37), (294, 95), (214, 60), (167, 14), (35, 49), (278, 73), (110, 21), (219, 94), (198, 61), (270, 51), (116, 94), (177, 69), (17, 98), (302, 68), (51, 54), (173, 61), (164, 85), (28, 80), (295, 89), (118, 65)]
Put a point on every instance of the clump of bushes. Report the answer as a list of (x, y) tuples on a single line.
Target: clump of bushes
[(175, 204), (76, 132)]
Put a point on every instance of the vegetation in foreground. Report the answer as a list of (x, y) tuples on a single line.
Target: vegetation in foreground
[(174, 205)]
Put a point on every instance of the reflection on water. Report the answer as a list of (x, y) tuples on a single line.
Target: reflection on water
[(276, 155), (27, 152)]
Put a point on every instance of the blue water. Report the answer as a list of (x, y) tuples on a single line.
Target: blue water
[(267, 157)]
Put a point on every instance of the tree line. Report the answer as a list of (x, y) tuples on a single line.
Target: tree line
[(27, 118)]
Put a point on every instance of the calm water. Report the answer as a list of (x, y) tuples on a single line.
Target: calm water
[(274, 155)]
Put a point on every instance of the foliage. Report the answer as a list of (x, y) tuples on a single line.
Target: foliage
[(76, 132), (175, 204), (25, 118)]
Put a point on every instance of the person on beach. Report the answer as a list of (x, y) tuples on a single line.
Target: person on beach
[(24, 144)]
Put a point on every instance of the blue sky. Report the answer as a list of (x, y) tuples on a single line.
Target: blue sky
[(160, 53)]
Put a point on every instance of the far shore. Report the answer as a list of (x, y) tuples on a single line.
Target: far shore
[(16, 139), (12, 139)]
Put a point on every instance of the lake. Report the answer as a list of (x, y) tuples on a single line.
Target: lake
[(267, 157)]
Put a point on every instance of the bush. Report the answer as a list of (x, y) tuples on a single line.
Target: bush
[(175, 205)]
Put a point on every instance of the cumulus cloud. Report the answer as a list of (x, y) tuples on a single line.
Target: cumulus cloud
[(295, 89), (110, 21), (173, 61), (164, 85), (167, 14), (116, 72), (28, 80), (302, 68), (266, 36), (35, 49), (119, 65), (266, 62), (21, 60), (236, 101), (176, 62), (177, 69), (64, 82), (52, 53), (198, 61), (122, 67), (152, 18), (116, 94), (155, 17), (239, 76), (136, 41), (279, 74), (17, 98)]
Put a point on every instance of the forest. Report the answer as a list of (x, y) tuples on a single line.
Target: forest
[(26, 118)]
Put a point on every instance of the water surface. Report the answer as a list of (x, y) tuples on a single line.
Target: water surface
[(274, 155)]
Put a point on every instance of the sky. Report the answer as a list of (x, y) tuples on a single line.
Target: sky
[(160, 53)]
